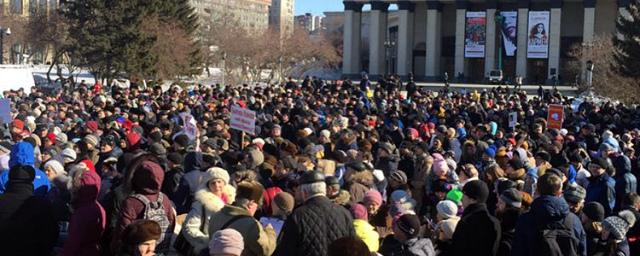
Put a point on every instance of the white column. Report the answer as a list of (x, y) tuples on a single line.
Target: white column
[(459, 51), (377, 36), (433, 43), (521, 53), (554, 40), (490, 47), (351, 44), (405, 39)]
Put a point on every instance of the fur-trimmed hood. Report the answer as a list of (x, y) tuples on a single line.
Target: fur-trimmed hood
[(212, 202)]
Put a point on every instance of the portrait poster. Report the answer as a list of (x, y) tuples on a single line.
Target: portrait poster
[(538, 35), (509, 30), (475, 34)]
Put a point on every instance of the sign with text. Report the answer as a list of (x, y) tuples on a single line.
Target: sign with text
[(475, 34), (555, 116), (243, 119), (5, 111), (513, 119), (190, 126)]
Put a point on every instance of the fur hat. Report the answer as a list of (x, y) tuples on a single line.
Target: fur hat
[(250, 190), (140, 231), (216, 173), (284, 201), (226, 242)]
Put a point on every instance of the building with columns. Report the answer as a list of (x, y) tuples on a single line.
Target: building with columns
[(469, 38)]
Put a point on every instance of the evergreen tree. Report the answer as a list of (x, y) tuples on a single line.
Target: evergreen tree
[(627, 52)]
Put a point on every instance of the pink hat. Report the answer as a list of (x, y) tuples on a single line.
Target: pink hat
[(440, 167), (226, 242), (359, 212), (372, 196), (413, 133)]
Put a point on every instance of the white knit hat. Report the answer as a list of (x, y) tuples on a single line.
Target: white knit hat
[(447, 209), (55, 166), (215, 173)]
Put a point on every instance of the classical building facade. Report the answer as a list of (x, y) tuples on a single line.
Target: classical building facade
[(26, 8), (468, 39)]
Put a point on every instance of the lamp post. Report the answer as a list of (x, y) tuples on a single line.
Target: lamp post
[(588, 65), (3, 32), (388, 44), (499, 21)]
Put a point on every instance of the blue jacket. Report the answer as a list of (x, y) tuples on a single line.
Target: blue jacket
[(22, 154), (602, 190), (545, 211)]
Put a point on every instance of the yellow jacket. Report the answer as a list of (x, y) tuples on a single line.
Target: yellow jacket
[(368, 234)]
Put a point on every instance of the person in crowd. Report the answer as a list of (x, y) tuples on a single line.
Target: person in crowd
[(406, 238), (27, 224), (88, 220), (348, 246), (214, 194), (632, 203), (477, 231), (574, 195), (614, 232), (601, 186), (549, 212), (592, 217), (22, 153), (312, 227), (508, 211), (140, 238), (239, 216), (363, 229), (281, 207), (226, 242), (447, 220)]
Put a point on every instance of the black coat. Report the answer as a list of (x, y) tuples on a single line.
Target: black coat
[(312, 227), (27, 224), (477, 232)]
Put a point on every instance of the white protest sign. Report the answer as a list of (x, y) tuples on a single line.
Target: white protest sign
[(513, 119), (5, 111), (243, 119), (190, 126)]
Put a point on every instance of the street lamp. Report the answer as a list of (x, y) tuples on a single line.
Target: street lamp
[(588, 65), (3, 32), (388, 44)]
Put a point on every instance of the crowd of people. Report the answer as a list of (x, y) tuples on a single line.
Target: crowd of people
[(332, 168)]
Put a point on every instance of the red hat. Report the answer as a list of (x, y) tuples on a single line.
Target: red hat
[(18, 124), (127, 124), (89, 165), (269, 194), (512, 141), (133, 138), (51, 137), (92, 126)]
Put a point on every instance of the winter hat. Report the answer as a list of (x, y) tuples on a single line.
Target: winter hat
[(68, 155), (22, 173), (359, 212), (226, 242), (476, 189), (216, 173), (398, 176), (512, 198), (284, 201), (61, 138), (250, 190), (92, 126), (574, 194), (372, 196), (620, 224), (440, 167), (400, 196), (447, 209), (506, 184), (448, 227), (55, 166), (325, 133), (91, 140), (157, 149), (379, 175), (141, 231), (133, 138), (409, 224), (490, 151), (455, 195), (594, 211)]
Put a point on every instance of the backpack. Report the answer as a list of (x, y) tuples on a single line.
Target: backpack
[(155, 211), (558, 240)]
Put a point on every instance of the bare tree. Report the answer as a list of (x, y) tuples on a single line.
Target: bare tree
[(172, 47), (48, 34)]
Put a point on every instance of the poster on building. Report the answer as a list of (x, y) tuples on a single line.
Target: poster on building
[(538, 38), (509, 30), (475, 34)]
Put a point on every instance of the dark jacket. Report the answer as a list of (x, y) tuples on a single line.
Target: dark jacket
[(545, 211), (27, 224), (477, 232), (625, 181), (508, 220), (88, 220), (412, 247), (633, 235), (312, 227), (602, 190)]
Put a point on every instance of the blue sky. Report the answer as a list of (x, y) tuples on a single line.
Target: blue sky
[(317, 7)]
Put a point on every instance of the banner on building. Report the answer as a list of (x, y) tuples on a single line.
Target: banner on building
[(475, 34), (538, 38), (509, 30)]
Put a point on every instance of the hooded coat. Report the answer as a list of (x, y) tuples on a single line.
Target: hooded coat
[(545, 211), (211, 204), (626, 182), (22, 154), (27, 224), (88, 221)]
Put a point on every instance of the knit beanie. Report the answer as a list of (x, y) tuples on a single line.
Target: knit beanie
[(226, 242), (440, 167), (447, 209), (409, 224), (216, 173), (477, 190), (92, 140), (68, 155), (55, 166), (359, 212), (455, 195), (372, 196), (399, 177), (594, 211), (284, 201), (511, 197), (448, 226), (574, 194), (620, 224)]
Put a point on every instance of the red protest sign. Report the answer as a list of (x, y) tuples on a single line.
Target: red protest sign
[(555, 116)]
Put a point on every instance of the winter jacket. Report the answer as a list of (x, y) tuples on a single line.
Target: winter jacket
[(312, 227), (412, 247), (368, 234), (88, 220), (508, 219), (476, 232), (27, 224), (257, 240), (625, 181), (211, 204), (545, 211), (602, 190), (146, 181), (22, 154), (190, 182)]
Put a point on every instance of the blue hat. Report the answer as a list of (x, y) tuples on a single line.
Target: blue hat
[(490, 151)]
